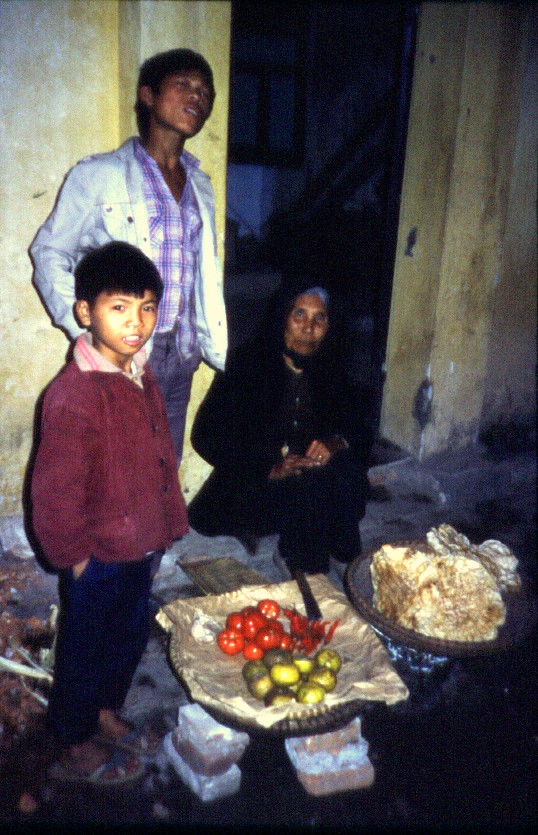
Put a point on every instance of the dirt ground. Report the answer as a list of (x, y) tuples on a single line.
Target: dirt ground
[(459, 753)]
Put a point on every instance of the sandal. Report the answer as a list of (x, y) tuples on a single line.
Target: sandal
[(113, 772), (137, 741)]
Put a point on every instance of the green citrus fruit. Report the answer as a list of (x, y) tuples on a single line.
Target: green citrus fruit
[(310, 693), (328, 658), (259, 687), (253, 669), (284, 674), (277, 656), (304, 665), (278, 696), (324, 677)]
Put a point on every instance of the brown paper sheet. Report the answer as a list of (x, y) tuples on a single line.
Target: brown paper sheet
[(214, 679)]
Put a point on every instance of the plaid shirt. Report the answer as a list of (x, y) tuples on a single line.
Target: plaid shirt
[(175, 231)]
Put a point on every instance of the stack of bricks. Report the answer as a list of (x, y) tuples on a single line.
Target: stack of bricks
[(204, 753), (332, 762)]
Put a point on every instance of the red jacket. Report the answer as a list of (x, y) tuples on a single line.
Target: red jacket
[(105, 479)]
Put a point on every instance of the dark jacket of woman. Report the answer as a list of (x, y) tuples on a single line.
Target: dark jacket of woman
[(239, 432)]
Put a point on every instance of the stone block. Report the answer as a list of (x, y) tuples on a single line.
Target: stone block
[(206, 787), (204, 744), (332, 762), (331, 742), (350, 779)]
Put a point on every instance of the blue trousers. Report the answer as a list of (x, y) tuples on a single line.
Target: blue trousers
[(103, 631), (174, 378)]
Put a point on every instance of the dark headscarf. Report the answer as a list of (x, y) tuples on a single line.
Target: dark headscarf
[(271, 332)]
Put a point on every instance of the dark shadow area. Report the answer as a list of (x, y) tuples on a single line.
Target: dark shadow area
[(335, 202), (27, 487)]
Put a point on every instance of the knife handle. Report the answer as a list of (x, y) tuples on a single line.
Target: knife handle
[(313, 611)]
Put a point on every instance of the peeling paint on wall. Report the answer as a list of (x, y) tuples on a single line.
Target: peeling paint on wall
[(411, 241), (422, 406)]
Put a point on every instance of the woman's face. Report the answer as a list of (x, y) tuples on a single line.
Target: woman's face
[(306, 325)]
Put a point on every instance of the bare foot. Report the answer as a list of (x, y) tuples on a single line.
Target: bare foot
[(86, 757), (111, 725), (113, 728)]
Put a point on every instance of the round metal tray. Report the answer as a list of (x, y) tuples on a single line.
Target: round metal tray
[(521, 615)]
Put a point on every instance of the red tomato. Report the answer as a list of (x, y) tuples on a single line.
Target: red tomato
[(268, 638), (247, 610), (230, 642), (252, 652), (269, 608), (286, 641), (275, 624), (252, 622), (235, 621)]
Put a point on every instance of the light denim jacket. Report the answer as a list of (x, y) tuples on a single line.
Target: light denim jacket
[(102, 200)]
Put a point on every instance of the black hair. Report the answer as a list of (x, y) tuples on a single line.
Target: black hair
[(116, 266), (157, 68)]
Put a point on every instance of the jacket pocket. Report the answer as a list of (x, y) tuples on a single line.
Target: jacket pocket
[(116, 535), (118, 221)]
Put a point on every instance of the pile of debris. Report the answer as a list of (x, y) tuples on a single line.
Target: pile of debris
[(28, 612), (26, 657)]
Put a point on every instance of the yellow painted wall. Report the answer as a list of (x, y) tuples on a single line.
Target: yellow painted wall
[(470, 139), (59, 103), (510, 385), (69, 71)]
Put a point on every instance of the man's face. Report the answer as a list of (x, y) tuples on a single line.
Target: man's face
[(120, 324), (183, 103), (306, 325)]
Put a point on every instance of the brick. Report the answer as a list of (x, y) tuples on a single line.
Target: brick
[(206, 787), (332, 762), (351, 755), (349, 779), (208, 763), (207, 746), (333, 741)]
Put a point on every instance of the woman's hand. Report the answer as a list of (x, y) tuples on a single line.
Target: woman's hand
[(318, 454), (321, 452), (291, 465)]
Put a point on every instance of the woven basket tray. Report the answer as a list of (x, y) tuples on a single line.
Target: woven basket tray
[(215, 681), (521, 615), (320, 719)]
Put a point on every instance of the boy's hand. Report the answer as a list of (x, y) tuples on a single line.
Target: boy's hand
[(78, 569)]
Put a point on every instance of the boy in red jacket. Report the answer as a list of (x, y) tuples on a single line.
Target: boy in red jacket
[(106, 504)]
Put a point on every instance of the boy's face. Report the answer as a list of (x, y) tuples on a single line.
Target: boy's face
[(120, 324), (183, 103)]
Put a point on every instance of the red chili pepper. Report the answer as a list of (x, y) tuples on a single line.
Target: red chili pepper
[(318, 628), (306, 635), (307, 645), (298, 624), (331, 630)]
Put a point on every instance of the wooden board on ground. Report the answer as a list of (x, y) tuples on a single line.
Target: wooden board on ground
[(221, 575)]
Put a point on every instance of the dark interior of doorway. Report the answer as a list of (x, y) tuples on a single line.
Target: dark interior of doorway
[(351, 251)]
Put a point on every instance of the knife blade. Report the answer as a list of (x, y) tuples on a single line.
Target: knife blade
[(313, 612)]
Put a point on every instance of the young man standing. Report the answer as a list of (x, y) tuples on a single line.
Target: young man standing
[(150, 193)]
